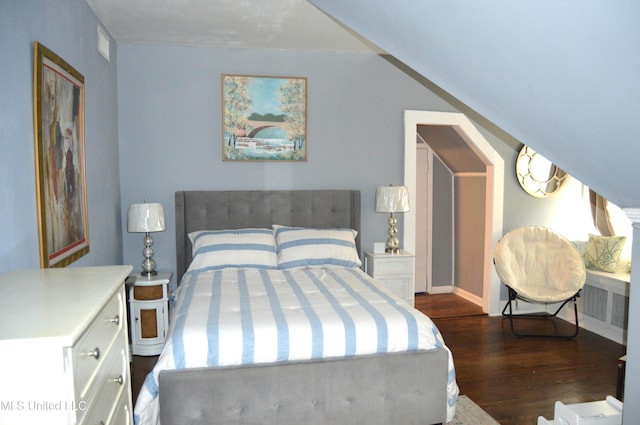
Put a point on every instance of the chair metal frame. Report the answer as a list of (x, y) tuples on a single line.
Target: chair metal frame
[(513, 296)]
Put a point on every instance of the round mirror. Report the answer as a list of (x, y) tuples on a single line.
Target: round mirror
[(537, 175)]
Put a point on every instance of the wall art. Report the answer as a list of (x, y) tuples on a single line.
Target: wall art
[(264, 118), (60, 159)]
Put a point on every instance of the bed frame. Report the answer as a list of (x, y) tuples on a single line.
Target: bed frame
[(398, 388)]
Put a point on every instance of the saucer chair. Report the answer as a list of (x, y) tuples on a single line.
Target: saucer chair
[(539, 266)]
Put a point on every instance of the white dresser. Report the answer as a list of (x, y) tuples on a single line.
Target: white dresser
[(63, 347)]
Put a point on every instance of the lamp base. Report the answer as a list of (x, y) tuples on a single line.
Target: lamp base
[(393, 244), (148, 265)]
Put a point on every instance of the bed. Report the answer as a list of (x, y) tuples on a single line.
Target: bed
[(272, 369)]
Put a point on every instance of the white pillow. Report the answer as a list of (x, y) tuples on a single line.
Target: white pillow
[(300, 247), (241, 248)]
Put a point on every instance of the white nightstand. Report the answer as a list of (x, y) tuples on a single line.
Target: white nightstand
[(149, 312), (394, 271)]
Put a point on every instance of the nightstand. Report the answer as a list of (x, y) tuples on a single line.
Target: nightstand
[(394, 271), (149, 312)]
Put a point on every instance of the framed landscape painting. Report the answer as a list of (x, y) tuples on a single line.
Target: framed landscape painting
[(60, 162), (264, 118)]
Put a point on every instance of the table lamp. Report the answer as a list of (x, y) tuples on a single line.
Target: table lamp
[(392, 199), (146, 218)]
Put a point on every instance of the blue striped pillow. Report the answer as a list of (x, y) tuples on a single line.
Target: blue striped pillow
[(241, 248), (300, 247)]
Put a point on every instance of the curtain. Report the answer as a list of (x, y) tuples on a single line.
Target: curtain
[(610, 220), (600, 214)]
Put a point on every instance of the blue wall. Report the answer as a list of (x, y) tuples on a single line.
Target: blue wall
[(153, 119), (171, 135), (69, 28), (169, 106)]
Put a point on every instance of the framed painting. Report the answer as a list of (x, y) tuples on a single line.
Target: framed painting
[(60, 161), (264, 118)]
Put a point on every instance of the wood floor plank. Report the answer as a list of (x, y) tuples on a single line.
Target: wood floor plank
[(446, 305)]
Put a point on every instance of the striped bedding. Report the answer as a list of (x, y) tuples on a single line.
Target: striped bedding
[(245, 316)]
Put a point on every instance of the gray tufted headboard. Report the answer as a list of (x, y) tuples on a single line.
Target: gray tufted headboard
[(216, 210)]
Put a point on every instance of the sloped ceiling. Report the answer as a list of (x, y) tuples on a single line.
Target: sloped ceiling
[(561, 77)]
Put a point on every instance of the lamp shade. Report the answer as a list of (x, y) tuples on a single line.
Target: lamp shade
[(392, 199), (145, 218)]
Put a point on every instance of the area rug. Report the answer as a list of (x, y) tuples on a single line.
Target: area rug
[(469, 413)]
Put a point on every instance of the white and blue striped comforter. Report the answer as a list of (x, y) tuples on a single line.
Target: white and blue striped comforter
[(244, 316)]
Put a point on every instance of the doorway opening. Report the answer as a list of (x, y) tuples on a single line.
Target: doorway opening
[(476, 217)]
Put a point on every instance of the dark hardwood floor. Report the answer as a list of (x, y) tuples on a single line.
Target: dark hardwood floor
[(514, 379), (140, 368), (518, 379), (446, 305)]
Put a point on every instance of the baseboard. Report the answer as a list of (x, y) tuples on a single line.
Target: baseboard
[(467, 296), (596, 326), (448, 289)]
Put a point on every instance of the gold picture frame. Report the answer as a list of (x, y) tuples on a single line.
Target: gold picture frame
[(60, 159), (264, 118)]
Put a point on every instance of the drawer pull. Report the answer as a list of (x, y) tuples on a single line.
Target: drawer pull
[(101, 423), (119, 380), (95, 353), (115, 320)]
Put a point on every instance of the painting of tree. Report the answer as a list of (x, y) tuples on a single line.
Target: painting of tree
[(264, 118)]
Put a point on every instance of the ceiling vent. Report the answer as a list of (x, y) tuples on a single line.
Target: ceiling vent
[(103, 42)]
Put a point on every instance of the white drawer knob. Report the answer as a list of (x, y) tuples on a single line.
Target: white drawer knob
[(95, 353), (115, 320), (119, 380)]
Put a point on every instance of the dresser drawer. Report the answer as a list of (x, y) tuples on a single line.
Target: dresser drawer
[(393, 271), (110, 385), (392, 265), (145, 293), (121, 414), (92, 348), (398, 285)]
